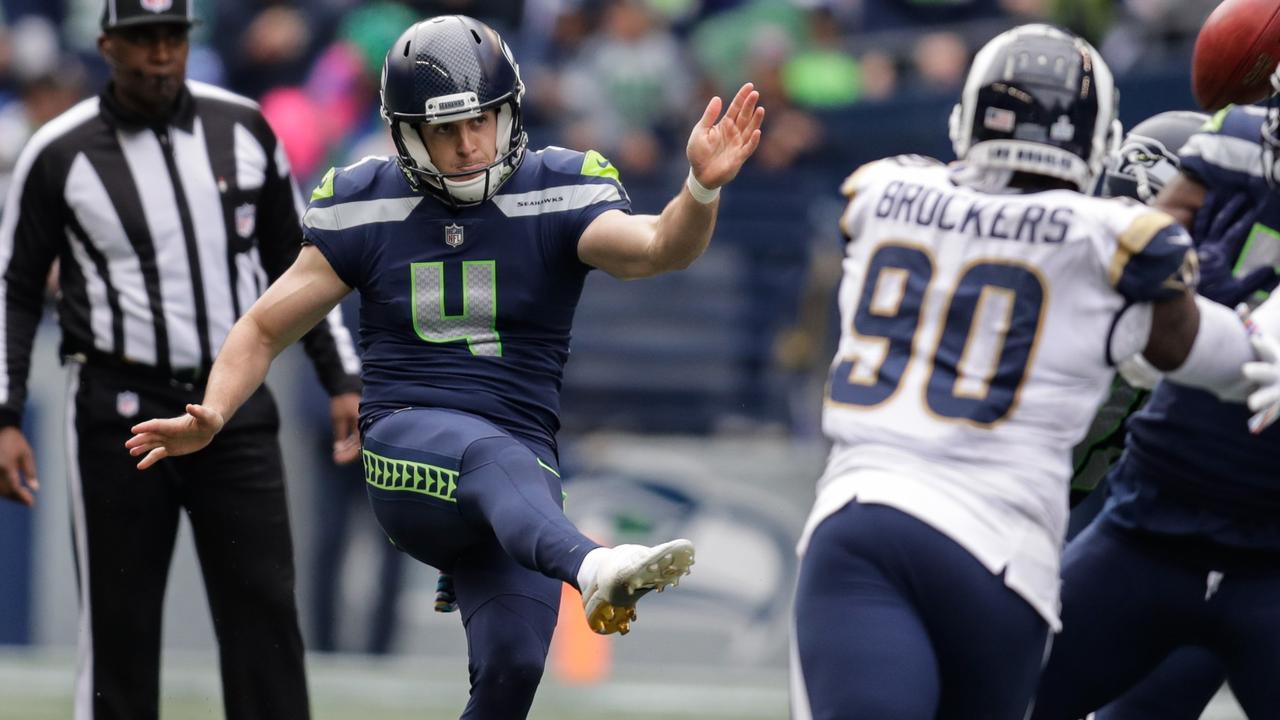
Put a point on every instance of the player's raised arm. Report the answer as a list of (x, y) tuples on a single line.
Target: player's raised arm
[(634, 246), (1181, 198), (293, 304)]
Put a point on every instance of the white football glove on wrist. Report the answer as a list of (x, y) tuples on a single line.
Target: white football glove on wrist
[(1264, 372)]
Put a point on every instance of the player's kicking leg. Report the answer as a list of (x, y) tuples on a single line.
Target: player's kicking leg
[(500, 487)]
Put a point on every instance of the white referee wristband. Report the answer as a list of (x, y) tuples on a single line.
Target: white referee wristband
[(700, 193)]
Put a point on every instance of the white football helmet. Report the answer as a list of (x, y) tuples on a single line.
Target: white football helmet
[(1037, 100)]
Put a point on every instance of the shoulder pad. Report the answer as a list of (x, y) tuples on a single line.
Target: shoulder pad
[(865, 174), (1238, 121), (352, 182), (913, 160), (571, 162)]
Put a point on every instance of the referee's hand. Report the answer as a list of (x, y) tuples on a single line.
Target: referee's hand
[(17, 467), (344, 410), (170, 437)]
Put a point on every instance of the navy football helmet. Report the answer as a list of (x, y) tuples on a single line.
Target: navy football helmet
[(445, 69), (1037, 100), (1148, 157)]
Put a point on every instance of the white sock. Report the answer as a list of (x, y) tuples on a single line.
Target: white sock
[(587, 570)]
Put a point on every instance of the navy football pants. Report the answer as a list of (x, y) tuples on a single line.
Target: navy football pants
[(456, 493), (1129, 599), (1179, 689), (895, 621), (125, 526)]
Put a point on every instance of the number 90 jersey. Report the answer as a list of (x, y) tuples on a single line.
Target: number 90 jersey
[(973, 353), (465, 310)]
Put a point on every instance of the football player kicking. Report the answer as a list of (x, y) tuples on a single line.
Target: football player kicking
[(1186, 552), (469, 253), (984, 307)]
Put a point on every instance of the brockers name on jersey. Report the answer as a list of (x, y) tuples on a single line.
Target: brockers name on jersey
[(995, 219)]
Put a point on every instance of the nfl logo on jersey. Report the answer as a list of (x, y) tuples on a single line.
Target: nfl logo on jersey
[(453, 235), (246, 217), (128, 403)]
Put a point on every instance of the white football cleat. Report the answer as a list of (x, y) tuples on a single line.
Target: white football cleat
[(625, 575)]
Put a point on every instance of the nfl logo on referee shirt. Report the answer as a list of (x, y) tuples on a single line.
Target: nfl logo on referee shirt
[(127, 404), (245, 216), (157, 6), (453, 235)]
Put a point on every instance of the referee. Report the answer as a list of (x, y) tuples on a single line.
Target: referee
[(169, 206)]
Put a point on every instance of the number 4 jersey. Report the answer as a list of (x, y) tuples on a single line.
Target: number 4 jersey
[(973, 354), (466, 310)]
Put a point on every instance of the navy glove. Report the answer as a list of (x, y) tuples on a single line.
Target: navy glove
[(1220, 236)]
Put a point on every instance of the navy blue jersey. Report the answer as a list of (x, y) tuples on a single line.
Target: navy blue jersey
[(466, 310), (1194, 468)]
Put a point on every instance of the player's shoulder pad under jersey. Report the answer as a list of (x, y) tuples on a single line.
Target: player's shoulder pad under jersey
[(1227, 148), (589, 166), (353, 182), (369, 191), (867, 174), (555, 180)]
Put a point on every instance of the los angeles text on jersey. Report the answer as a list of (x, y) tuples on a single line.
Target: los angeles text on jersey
[(933, 207)]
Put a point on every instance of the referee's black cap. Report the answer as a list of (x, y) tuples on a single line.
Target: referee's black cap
[(131, 13)]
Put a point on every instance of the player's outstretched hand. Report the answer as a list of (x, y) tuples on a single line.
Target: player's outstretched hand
[(170, 437), (717, 150), (1264, 401)]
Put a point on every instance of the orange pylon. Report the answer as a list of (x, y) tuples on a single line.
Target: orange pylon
[(578, 655)]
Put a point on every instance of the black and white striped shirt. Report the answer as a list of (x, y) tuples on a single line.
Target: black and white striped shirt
[(165, 234)]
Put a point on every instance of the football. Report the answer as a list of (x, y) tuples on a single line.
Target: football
[(1236, 51)]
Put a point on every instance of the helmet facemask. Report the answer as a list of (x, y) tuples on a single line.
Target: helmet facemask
[(424, 175)]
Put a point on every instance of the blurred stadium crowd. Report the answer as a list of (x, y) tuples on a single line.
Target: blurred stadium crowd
[(740, 342)]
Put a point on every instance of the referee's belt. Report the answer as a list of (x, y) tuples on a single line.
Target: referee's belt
[(142, 371)]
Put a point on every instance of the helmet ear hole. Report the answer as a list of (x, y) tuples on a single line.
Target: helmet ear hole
[(476, 36)]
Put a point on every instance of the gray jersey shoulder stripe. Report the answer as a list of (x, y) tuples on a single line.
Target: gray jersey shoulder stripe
[(363, 212), (556, 199), (1229, 153)]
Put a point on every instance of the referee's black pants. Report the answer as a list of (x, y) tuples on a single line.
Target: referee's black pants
[(125, 522)]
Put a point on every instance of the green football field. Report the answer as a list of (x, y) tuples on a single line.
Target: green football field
[(38, 686)]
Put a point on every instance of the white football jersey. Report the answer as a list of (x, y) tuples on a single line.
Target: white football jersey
[(973, 354)]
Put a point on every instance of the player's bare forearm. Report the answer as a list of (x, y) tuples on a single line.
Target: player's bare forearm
[(1175, 323), (293, 304), (682, 232), (1181, 198), (241, 366)]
